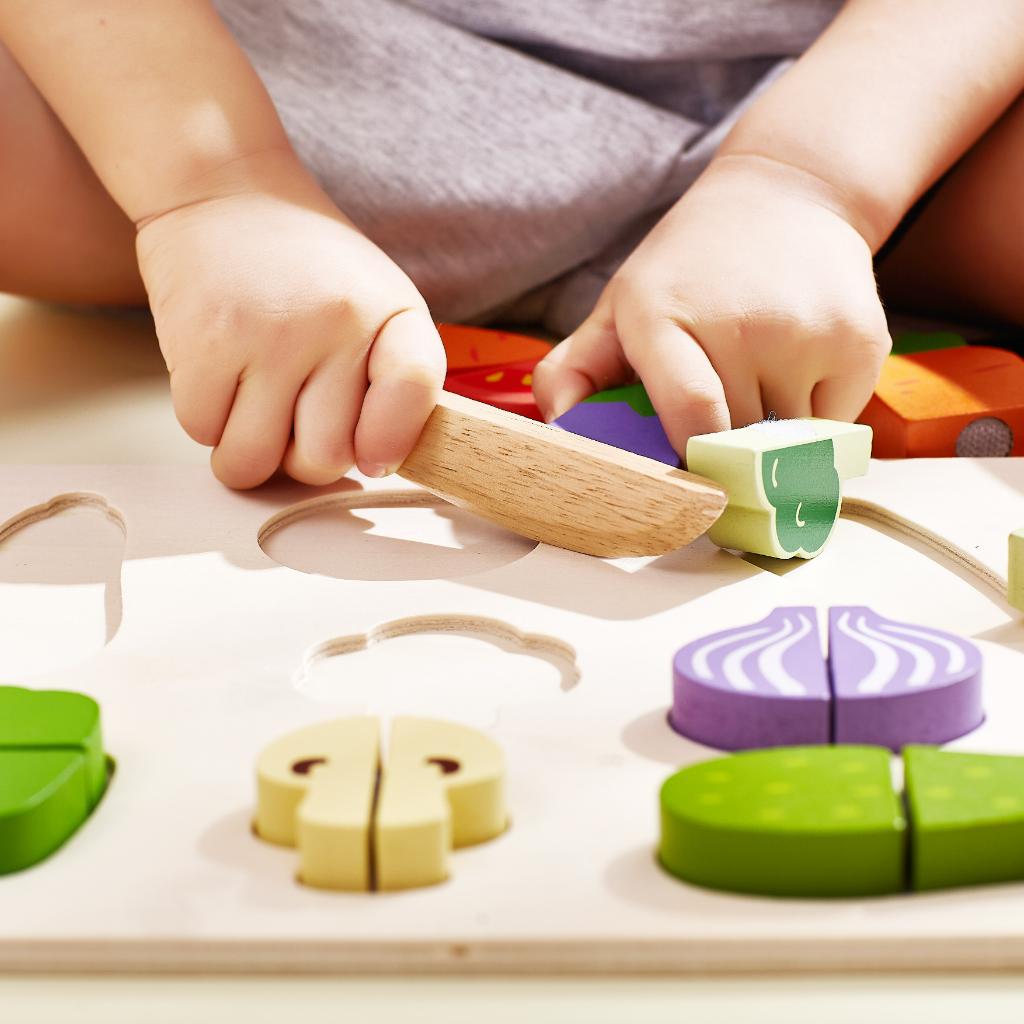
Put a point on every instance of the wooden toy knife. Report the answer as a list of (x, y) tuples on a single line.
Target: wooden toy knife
[(556, 487)]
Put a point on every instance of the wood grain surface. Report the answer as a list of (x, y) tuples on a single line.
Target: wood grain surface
[(556, 487)]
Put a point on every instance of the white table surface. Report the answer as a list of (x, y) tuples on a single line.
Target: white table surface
[(91, 388)]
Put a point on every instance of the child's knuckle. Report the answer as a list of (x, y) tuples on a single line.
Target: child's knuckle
[(248, 458), (705, 396), (334, 450)]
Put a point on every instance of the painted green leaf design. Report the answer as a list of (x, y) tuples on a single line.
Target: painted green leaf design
[(802, 485), (634, 395)]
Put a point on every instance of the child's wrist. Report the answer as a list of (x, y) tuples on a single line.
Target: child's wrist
[(275, 171), (752, 170)]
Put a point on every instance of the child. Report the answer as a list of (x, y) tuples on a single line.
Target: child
[(648, 175)]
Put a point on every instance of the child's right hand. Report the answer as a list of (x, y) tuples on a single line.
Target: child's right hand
[(754, 296), (290, 338)]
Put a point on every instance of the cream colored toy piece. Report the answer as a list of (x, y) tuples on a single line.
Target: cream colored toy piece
[(783, 478), (443, 788), (1015, 575), (556, 487), (358, 825), (315, 791), (413, 829)]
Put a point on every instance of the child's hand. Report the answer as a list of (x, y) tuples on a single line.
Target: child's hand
[(290, 337), (752, 296)]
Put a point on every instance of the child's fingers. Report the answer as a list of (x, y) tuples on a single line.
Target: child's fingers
[(843, 398), (202, 397), (406, 369), (860, 353), (682, 382), (257, 431), (743, 390), (589, 360), (326, 412), (787, 396)]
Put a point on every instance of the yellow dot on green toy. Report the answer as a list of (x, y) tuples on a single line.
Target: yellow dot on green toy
[(846, 812), (868, 790)]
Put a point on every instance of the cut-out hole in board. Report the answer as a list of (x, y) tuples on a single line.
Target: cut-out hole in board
[(458, 667), (387, 535), (60, 584)]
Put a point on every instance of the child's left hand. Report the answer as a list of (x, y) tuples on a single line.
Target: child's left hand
[(754, 295)]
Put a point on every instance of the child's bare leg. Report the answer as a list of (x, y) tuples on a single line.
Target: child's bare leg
[(61, 235), (964, 256)]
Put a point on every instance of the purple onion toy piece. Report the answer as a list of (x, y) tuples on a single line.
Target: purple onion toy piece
[(761, 685), (624, 418), (896, 683)]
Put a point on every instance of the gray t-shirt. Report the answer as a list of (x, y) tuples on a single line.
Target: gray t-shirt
[(493, 147)]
